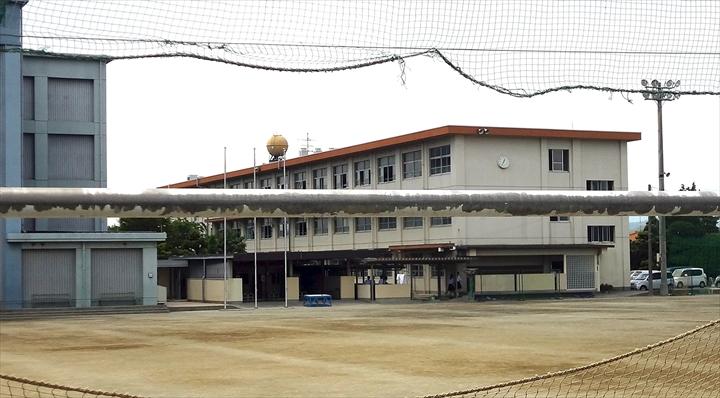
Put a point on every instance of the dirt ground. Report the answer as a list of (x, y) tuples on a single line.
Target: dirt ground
[(348, 350)]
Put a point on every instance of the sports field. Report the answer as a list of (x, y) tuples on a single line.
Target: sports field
[(351, 349)]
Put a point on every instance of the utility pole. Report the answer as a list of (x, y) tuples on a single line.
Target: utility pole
[(650, 251), (659, 93)]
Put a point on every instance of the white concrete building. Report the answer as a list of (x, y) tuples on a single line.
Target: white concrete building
[(575, 253)]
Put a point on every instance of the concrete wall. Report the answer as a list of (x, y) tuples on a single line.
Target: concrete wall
[(213, 290), (293, 288)]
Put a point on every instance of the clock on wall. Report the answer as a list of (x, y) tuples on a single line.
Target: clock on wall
[(503, 162)]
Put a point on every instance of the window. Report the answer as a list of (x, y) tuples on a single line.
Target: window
[(342, 225), (601, 233), (300, 182), (600, 185), (280, 182), (301, 227), (559, 159), (412, 222), (559, 218), (386, 168), (319, 178), (281, 229), (438, 221), (249, 231), (248, 185), (362, 173), (320, 226), (266, 183), (385, 223), (340, 176), (266, 231), (440, 160), (363, 224), (412, 164)]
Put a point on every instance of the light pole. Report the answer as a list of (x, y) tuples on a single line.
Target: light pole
[(285, 229), (659, 93)]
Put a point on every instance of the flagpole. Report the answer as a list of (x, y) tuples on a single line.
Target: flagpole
[(255, 229), (225, 233)]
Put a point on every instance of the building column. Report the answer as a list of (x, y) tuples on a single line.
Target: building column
[(10, 146), (83, 276), (149, 276)]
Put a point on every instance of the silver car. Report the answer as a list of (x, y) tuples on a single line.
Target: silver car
[(641, 282)]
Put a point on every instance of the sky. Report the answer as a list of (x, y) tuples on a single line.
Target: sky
[(171, 117)]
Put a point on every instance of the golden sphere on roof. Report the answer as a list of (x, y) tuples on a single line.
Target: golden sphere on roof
[(277, 145)]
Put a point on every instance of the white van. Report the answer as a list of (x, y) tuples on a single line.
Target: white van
[(689, 277)]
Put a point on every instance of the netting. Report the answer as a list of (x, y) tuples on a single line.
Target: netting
[(683, 366), (517, 47), (687, 365), (17, 387)]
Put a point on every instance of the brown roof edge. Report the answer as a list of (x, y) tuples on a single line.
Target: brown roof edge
[(417, 136)]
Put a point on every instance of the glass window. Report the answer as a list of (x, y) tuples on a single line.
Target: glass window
[(340, 179), (320, 226), (385, 223), (249, 231), (362, 173), (266, 183), (363, 224), (300, 227), (280, 182), (342, 225), (299, 179), (600, 185), (412, 222), (386, 168), (248, 185), (559, 159), (319, 178), (281, 229), (440, 160), (412, 164), (266, 231), (601, 233), (438, 221), (559, 218)]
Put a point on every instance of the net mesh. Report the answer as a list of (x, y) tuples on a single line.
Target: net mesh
[(517, 47), (683, 366), (686, 365)]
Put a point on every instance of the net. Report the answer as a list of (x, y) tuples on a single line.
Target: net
[(687, 365), (17, 387), (517, 47), (682, 366)]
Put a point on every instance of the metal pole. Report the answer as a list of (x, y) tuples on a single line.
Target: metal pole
[(285, 226), (225, 233), (650, 254), (255, 232), (661, 219)]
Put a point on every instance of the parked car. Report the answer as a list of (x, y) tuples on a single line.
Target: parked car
[(690, 277), (635, 273), (641, 281)]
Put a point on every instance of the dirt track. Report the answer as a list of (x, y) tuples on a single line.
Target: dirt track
[(348, 350)]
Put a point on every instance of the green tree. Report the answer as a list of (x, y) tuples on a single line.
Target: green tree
[(184, 237), (683, 234)]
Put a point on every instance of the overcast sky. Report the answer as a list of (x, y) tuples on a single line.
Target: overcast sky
[(168, 118)]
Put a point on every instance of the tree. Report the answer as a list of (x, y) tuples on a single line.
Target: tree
[(184, 237), (681, 232)]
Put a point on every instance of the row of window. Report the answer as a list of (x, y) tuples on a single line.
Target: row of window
[(411, 168), (340, 225), (595, 233), (440, 163)]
